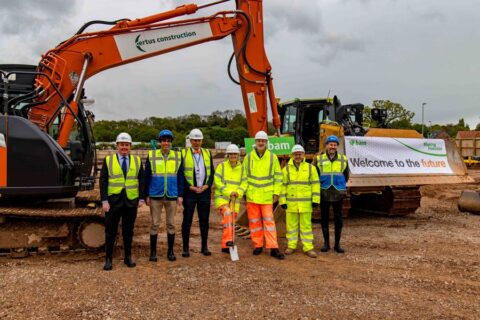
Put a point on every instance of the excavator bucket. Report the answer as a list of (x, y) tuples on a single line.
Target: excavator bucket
[(469, 202)]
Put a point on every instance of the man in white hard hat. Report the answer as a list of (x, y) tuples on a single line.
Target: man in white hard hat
[(264, 177), (121, 192), (300, 191), (230, 185), (198, 173)]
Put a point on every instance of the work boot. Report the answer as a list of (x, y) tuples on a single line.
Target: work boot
[(153, 247), (311, 253), (186, 251), (257, 251), (229, 243), (129, 262), (225, 250), (338, 234), (276, 254), (171, 242), (108, 264), (289, 251), (326, 240), (206, 252)]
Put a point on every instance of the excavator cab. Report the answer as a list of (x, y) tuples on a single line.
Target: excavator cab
[(34, 163), (310, 121)]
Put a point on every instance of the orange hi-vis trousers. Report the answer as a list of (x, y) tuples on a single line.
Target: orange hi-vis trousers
[(227, 222), (262, 225)]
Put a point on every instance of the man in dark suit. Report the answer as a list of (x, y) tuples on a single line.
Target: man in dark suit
[(121, 192)]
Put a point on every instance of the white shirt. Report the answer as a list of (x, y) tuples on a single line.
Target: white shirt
[(199, 167)]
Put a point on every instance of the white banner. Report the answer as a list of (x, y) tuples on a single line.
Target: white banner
[(136, 44), (376, 155)]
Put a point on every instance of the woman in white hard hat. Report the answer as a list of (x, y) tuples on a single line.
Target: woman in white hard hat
[(230, 185), (121, 192)]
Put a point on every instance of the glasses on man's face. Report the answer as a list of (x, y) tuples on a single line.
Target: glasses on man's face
[(165, 140)]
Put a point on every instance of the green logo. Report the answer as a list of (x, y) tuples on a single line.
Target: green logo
[(277, 145), (354, 142)]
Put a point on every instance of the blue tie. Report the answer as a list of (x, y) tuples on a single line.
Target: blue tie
[(124, 166)]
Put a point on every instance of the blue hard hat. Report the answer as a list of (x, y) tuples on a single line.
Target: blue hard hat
[(165, 134), (332, 138)]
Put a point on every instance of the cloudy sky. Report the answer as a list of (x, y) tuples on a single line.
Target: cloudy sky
[(407, 51)]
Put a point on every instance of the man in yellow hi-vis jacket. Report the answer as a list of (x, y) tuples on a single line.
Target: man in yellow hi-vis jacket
[(300, 190)]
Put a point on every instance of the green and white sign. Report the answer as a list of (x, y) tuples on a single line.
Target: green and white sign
[(278, 145), (383, 155)]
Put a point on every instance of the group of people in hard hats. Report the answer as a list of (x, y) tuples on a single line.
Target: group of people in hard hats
[(173, 178)]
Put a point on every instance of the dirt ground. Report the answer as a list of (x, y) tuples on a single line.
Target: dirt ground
[(423, 266)]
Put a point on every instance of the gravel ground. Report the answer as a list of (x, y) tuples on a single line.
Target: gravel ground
[(423, 266)]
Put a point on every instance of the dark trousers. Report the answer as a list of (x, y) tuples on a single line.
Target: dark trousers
[(337, 213), (112, 219), (202, 202)]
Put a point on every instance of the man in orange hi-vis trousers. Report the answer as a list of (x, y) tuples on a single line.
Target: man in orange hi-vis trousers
[(230, 185), (264, 177)]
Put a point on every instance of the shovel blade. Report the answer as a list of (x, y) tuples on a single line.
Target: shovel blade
[(234, 253)]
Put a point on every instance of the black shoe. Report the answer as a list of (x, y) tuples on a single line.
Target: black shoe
[(225, 250), (129, 262), (108, 264), (338, 249), (277, 254), (153, 248), (206, 252), (257, 251), (186, 252), (325, 247), (171, 242), (229, 243)]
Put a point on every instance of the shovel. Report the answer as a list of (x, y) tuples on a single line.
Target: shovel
[(233, 248)]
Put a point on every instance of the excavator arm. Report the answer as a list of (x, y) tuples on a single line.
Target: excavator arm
[(64, 69)]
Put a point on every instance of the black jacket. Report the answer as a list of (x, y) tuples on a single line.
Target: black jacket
[(117, 200)]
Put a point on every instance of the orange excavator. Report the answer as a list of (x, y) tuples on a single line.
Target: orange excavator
[(47, 149)]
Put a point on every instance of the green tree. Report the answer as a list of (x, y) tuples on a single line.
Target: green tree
[(397, 116), (477, 128)]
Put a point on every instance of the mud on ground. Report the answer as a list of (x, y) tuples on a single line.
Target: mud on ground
[(423, 266)]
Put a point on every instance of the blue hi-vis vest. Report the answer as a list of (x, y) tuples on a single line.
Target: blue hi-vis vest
[(164, 174), (331, 173)]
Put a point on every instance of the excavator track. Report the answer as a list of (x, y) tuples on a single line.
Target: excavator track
[(389, 201), (46, 228)]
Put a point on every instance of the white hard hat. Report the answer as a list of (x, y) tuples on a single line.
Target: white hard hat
[(124, 137), (298, 148), (232, 148), (196, 134), (261, 135)]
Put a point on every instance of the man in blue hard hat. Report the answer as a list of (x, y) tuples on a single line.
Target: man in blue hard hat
[(164, 189), (333, 171)]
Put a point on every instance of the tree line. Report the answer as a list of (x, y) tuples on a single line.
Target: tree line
[(228, 125), (231, 125)]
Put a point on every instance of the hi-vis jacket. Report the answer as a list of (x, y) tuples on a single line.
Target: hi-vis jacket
[(228, 180), (189, 165), (331, 172), (164, 181), (264, 177), (300, 187), (116, 180)]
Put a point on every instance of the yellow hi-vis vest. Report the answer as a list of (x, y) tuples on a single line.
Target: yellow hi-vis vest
[(300, 187), (164, 174), (189, 164), (264, 177), (331, 173), (116, 180), (228, 180)]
